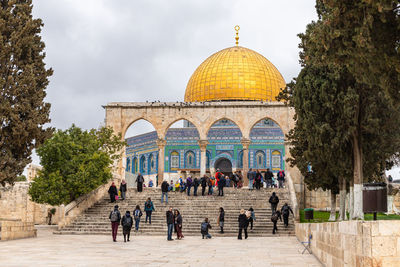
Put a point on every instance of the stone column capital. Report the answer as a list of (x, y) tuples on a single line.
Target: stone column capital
[(245, 143), (203, 145), (161, 143)]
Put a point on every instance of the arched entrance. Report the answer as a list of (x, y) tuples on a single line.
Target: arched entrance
[(224, 165)]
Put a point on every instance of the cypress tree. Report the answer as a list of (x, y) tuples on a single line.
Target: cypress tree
[(354, 48), (24, 79)]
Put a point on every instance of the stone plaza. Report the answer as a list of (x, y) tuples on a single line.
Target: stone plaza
[(92, 250)]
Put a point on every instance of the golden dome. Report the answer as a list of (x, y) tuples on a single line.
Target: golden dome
[(235, 73)]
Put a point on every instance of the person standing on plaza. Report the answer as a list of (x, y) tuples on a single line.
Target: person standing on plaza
[(123, 189), (235, 179), (258, 178), (204, 229), (274, 200), (203, 182), (170, 223), (189, 183), (148, 208), (268, 178), (115, 218), (127, 223), (221, 219), (240, 183), (274, 218), (178, 224), (137, 213), (196, 184), (243, 224), (285, 211), (139, 182), (251, 176), (164, 191), (113, 192), (221, 185), (252, 218), (281, 178)]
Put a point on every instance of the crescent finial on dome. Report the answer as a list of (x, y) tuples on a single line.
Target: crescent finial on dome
[(237, 28)]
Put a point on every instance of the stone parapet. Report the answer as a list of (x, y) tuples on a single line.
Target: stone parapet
[(16, 229), (70, 212), (353, 243)]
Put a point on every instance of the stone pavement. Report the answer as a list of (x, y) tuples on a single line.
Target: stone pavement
[(91, 250)]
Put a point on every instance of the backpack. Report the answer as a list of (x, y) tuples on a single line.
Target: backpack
[(204, 227), (114, 216), (148, 205), (285, 210), (128, 221), (138, 214)]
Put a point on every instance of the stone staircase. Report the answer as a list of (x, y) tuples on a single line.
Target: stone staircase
[(193, 209)]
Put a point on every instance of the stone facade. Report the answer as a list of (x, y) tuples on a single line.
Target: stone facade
[(15, 204), (16, 229), (354, 243), (32, 171)]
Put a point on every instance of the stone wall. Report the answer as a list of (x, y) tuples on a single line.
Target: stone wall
[(15, 229), (15, 204), (353, 243)]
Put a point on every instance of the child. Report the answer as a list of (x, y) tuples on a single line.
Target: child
[(204, 229)]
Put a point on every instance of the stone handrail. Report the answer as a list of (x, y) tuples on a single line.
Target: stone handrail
[(293, 197), (69, 212)]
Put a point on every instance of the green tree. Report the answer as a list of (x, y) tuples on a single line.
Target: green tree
[(75, 162), (24, 79), (354, 47)]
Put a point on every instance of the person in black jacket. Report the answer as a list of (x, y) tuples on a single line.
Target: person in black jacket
[(115, 218), (258, 178), (274, 200), (164, 191), (268, 178), (221, 219), (221, 184), (127, 223), (178, 224), (285, 213), (170, 223), (113, 192), (139, 182), (122, 189), (274, 218), (196, 184), (204, 229), (203, 182), (243, 224)]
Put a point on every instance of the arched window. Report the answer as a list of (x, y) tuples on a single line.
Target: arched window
[(128, 164), (152, 164), (135, 165), (208, 155), (276, 160), (143, 165), (189, 160), (260, 160), (174, 161), (240, 159)]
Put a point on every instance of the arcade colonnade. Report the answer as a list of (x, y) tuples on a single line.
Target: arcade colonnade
[(245, 114)]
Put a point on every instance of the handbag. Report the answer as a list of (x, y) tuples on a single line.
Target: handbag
[(116, 197)]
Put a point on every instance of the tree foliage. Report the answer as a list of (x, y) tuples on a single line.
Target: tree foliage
[(346, 96), (24, 79), (74, 163)]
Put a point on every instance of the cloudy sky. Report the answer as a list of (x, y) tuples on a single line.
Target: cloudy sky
[(131, 50)]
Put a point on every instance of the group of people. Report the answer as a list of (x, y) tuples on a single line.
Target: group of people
[(127, 221), (257, 179), (276, 214), (113, 192)]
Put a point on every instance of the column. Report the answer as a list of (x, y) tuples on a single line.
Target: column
[(245, 143), (203, 156), (161, 158)]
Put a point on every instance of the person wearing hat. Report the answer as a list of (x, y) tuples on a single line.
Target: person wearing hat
[(115, 218)]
